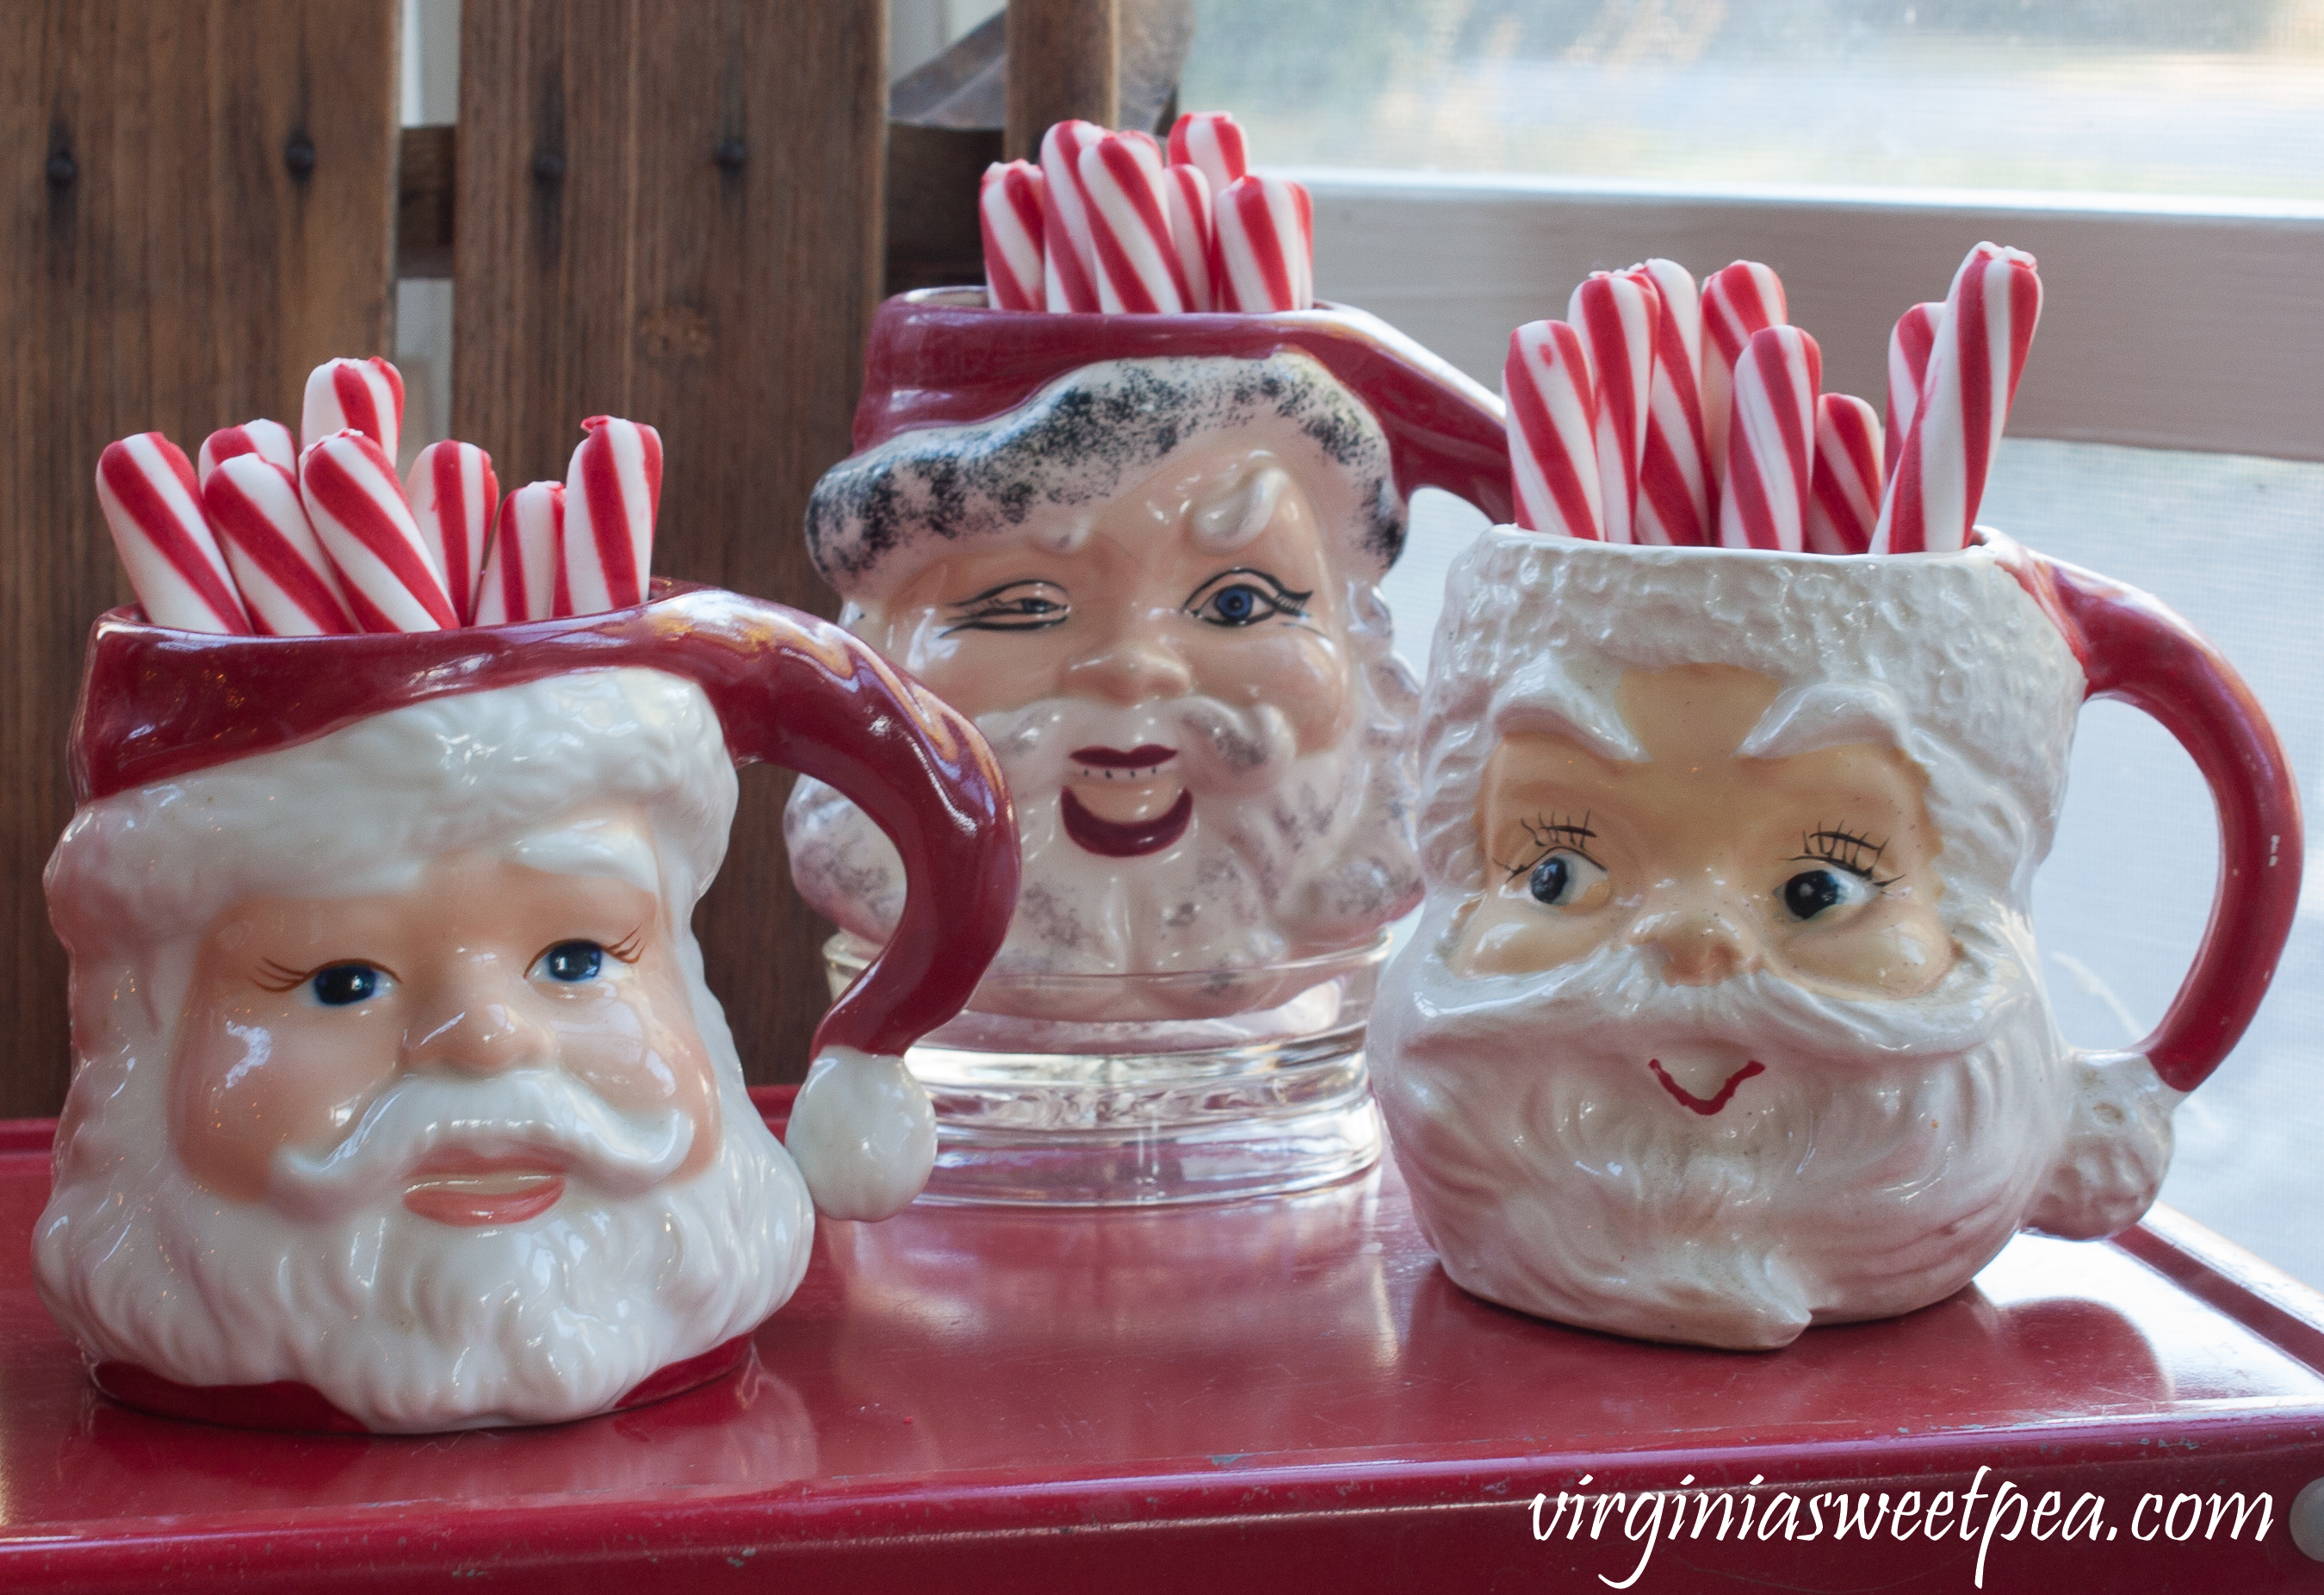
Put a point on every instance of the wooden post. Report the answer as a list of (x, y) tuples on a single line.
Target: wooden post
[(197, 206), (1064, 62), (671, 212)]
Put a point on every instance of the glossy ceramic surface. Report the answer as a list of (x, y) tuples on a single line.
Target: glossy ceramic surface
[(1257, 1397), (1723, 1018), (400, 1102)]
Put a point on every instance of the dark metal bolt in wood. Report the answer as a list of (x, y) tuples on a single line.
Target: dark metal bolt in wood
[(299, 156), (729, 155), (548, 166), (62, 170)]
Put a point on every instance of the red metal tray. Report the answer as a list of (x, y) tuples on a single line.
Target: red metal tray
[(1282, 1394)]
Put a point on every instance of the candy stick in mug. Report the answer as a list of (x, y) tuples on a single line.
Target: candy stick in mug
[(1553, 409), (365, 396), (1617, 318), (1771, 443), (1844, 504), (452, 494), (151, 505), (385, 569), (1211, 141), (269, 440), (1931, 499), (1137, 264), (1067, 265), (1909, 343), (612, 490), (1193, 232), (524, 573), (1267, 248), (287, 582), (1674, 478), (1008, 205), (1737, 300)]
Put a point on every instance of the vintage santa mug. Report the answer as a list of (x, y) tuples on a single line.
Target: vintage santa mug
[(1143, 552), (399, 1100), (1723, 1019)]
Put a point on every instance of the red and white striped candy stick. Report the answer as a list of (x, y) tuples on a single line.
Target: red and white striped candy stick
[(1068, 279), (1617, 317), (1137, 262), (453, 494), (269, 440), (386, 571), (365, 396), (1932, 497), (1909, 343), (1193, 231), (1266, 246), (1674, 479), (1737, 300), (287, 581), (1771, 446), (1553, 408), (611, 491), (1008, 205), (151, 504), (524, 576), (1211, 141), (1845, 503)]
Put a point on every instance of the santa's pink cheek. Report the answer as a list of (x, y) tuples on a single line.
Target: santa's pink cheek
[(1902, 951), (245, 1084), (1299, 673)]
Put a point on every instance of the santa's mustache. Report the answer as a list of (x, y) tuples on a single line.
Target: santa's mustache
[(1618, 996), (526, 1113), (1221, 748)]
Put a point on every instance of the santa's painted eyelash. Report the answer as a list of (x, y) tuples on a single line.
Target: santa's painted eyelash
[(281, 977), (1033, 609), (631, 947), (1547, 835), (1851, 850)]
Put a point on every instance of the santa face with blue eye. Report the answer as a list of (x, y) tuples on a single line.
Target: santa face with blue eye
[(1207, 767), (466, 1049)]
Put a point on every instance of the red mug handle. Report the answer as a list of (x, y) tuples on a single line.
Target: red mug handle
[(2131, 648)]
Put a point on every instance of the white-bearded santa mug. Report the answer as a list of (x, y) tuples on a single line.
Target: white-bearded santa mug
[(400, 1102), (1723, 1018), (1143, 554)]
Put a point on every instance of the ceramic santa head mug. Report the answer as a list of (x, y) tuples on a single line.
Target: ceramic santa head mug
[(399, 1100), (1724, 1017)]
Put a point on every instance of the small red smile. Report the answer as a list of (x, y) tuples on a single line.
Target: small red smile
[(469, 1191), (1706, 1106)]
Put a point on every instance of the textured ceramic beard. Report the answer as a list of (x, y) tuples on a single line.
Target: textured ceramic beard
[(403, 1324), (1286, 855), (1554, 1174)]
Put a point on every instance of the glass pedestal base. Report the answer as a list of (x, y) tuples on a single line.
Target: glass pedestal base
[(1041, 1103)]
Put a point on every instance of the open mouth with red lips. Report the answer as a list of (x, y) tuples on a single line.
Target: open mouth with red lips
[(1113, 778), (1140, 763), (470, 1190), (1706, 1106)]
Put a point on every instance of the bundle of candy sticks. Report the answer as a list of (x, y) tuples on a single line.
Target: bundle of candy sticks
[(1653, 414), (322, 539), (1104, 224)]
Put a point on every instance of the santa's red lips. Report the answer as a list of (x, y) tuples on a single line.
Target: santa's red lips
[(1146, 756), (1706, 1106), (469, 1190), (1116, 839)]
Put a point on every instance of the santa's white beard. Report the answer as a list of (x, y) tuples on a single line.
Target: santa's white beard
[(1891, 1147), (1286, 855), (409, 1325)]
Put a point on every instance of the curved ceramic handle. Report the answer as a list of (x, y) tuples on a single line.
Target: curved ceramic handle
[(801, 692), (2133, 648)]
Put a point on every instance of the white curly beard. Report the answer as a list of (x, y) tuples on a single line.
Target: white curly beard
[(1891, 1147)]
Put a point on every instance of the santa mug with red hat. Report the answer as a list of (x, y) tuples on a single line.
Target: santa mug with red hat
[(1142, 552), (400, 1102)]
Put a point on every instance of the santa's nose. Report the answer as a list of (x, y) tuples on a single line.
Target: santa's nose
[(1700, 928), (467, 1025), (1136, 664)]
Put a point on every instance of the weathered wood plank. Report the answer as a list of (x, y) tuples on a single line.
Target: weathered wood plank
[(1064, 62), (197, 206), (672, 212)]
